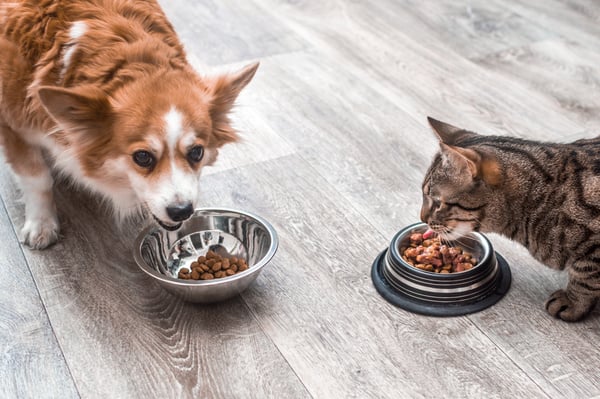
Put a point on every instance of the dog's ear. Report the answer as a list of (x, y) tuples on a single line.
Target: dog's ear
[(76, 110), (224, 91)]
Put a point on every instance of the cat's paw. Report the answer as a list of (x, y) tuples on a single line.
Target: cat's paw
[(564, 307), (40, 233)]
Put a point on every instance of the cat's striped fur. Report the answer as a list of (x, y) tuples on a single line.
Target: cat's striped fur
[(545, 196)]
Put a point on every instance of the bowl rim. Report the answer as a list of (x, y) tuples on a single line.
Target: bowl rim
[(139, 260), (395, 253)]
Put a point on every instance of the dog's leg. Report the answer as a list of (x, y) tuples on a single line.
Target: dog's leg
[(41, 226)]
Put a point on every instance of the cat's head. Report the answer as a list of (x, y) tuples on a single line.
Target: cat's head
[(460, 182)]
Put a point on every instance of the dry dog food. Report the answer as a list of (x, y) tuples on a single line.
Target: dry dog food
[(426, 252), (213, 266)]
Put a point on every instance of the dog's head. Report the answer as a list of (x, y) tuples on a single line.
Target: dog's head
[(146, 144)]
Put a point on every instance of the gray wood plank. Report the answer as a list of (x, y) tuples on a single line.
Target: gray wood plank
[(565, 70), (123, 336), (472, 29), (422, 76), (226, 31), (32, 364)]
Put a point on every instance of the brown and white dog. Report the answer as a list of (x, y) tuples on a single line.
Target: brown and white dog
[(102, 89)]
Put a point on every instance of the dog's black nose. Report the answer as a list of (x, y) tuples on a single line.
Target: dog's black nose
[(180, 212)]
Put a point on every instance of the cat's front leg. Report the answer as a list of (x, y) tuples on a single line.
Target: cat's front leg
[(580, 296)]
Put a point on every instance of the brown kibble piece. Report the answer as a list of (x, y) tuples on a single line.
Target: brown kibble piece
[(216, 267), (210, 262), (229, 272), (242, 268), (210, 254), (204, 267), (195, 275), (225, 264), (206, 276), (220, 274), (184, 274), (201, 259)]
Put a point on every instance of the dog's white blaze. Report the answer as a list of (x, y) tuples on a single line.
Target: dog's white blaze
[(77, 30), (173, 130)]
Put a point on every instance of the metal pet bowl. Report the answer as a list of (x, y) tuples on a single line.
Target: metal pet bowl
[(161, 254), (437, 294)]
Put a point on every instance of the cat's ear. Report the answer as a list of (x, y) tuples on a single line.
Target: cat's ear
[(472, 164), (464, 160), (447, 133)]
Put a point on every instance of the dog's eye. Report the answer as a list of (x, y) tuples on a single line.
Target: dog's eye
[(144, 159), (195, 154)]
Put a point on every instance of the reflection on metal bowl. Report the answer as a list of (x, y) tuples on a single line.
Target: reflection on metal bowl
[(161, 254)]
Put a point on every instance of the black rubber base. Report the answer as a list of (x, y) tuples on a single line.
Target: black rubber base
[(390, 294)]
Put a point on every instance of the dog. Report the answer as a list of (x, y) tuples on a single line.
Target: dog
[(100, 91)]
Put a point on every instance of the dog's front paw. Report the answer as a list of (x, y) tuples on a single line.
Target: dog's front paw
[(566, 307), (40, 233)]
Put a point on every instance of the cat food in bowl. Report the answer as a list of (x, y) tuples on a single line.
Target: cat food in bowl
[(465, 290), (235, 237), (427, 252)]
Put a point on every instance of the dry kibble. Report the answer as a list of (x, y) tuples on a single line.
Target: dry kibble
[(206, 276), (184, 273), (212, 266)]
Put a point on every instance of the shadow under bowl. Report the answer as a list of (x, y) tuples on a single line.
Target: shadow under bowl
[(437, 294), (228, 232)]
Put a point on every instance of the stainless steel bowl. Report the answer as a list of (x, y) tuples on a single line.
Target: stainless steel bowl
[(441, 294), (161, 254)]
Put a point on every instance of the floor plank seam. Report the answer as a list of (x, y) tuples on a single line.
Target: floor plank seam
[(257, 320), (510, 358)]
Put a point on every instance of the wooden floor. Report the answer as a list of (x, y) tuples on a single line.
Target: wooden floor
[(336, 144)]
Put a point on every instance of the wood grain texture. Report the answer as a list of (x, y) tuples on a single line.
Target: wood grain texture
[(335, 147), (565, 70), (226, 31), (31, 362)]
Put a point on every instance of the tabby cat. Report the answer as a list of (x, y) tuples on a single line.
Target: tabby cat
[(545, 196)]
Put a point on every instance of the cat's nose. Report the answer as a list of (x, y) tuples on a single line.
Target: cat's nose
[(180, 212), (424, 215)]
